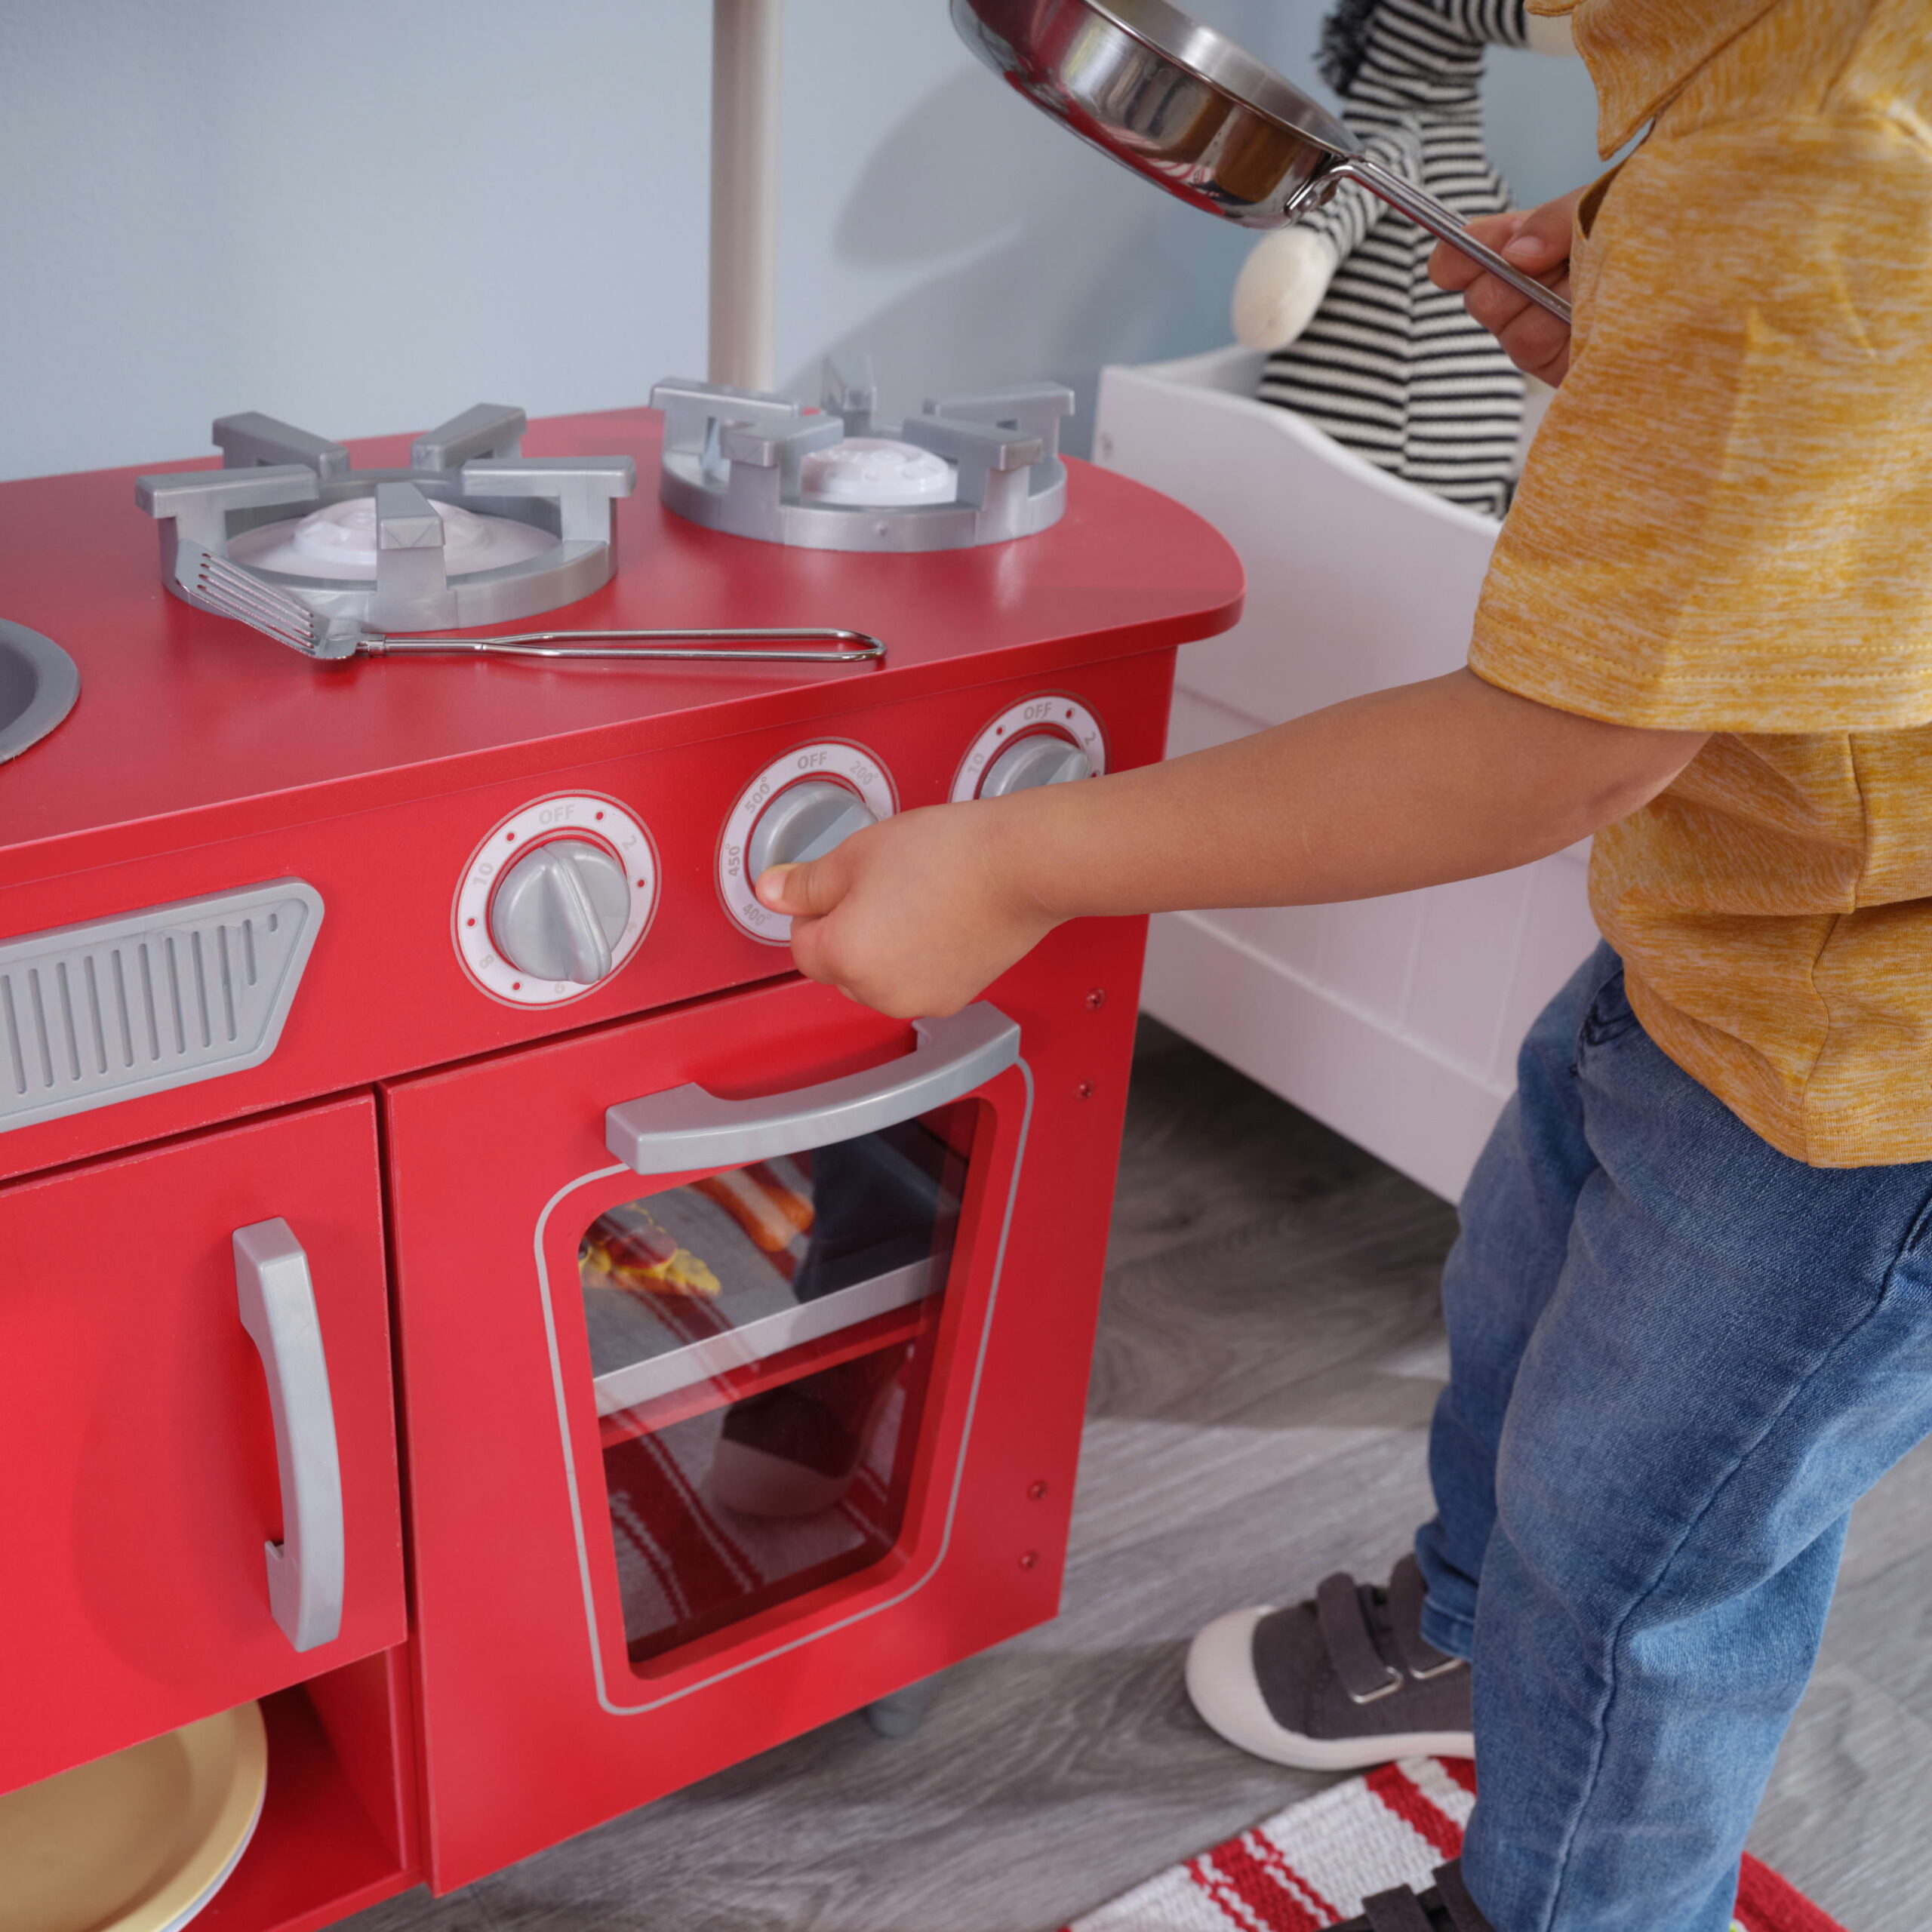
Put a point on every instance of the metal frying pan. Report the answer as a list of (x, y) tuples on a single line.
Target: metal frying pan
[(1181, 105)]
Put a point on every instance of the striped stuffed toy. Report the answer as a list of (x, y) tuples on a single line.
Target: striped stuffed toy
[(1363, 345)]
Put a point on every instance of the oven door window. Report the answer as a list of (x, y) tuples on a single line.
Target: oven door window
[(761, 1340)]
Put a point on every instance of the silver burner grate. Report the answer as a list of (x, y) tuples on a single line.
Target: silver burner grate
[(736, 460), (558, 509)]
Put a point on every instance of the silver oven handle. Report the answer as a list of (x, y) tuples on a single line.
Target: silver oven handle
[(278, 1311), (685, 1128)]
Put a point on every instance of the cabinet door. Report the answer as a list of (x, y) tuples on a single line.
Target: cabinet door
[(143, 1465)]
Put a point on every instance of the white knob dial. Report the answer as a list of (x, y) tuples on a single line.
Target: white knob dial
[(561, 910)]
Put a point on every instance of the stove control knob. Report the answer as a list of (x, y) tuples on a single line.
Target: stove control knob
[(805, 821), (560, 909), (1047, 739), (1046, 759), (804, 802)]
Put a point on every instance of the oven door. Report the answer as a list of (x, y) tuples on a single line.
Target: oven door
[(698, 1315)]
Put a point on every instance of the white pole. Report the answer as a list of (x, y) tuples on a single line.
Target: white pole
[(743, 346)]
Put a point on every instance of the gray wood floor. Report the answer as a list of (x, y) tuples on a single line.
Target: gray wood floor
[(1268, 1358)]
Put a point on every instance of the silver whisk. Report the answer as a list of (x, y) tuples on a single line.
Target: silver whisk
[(215, 584)]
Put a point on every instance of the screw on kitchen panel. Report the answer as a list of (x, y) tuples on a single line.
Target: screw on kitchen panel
[(1097, 999), (1085, 1091), (1037, 1491), (1030, 1560)]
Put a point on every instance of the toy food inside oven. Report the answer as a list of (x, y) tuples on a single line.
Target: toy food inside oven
[(761, 1341)]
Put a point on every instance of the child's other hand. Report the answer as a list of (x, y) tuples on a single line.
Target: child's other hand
[(913, 916), (1537, 242)]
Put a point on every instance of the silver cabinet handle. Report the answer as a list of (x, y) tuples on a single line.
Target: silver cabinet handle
[(685, 1128), (278, 1311)]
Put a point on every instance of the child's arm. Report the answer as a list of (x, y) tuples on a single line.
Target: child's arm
[(1405, 788)]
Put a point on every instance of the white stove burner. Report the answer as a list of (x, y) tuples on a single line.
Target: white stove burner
[(338, 541), (874, 471)]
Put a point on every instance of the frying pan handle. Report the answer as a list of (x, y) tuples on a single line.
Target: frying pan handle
[(1446, 226)]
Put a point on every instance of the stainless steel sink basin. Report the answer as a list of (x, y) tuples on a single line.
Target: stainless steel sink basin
[(38, 684)]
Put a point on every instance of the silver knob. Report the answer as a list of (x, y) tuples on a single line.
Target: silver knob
[(1046, 759), (560, 909), (805, 821)]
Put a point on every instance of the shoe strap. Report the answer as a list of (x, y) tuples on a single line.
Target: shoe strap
[(1341, 1617), (1398, 1910), (1419, 1657), (1464, 1916)]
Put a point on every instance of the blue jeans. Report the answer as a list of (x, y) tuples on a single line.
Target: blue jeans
[(1678, 1358)]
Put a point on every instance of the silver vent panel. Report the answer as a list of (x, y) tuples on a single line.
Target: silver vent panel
[(94, 1014)]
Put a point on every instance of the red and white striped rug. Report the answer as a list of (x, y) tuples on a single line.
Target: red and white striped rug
[(1312, 1866)]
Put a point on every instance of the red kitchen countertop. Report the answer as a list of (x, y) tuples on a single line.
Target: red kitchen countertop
[(191, 729)]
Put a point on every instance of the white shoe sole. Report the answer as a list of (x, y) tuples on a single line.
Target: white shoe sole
[(1221, 1685)]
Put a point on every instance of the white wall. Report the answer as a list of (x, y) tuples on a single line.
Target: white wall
[(363, 216)]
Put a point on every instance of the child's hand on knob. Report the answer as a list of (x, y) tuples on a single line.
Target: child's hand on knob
[(915, 916)]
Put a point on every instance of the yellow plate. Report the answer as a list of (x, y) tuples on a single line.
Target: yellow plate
[(139, 1842)]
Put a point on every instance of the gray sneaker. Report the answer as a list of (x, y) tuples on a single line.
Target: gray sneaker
[(1346, 1681)]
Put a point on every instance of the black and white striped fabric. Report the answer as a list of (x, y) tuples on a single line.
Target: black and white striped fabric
[(1391, 366)]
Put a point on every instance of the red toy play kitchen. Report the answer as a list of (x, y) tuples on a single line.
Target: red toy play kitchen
[(389, 1056)]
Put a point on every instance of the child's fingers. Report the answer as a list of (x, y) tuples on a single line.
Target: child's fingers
[(807, 891), (1536, 341), (1450, 268), (1531, 242), (802, 891), (808, 948), (1500, 308), (1542, 237), (1536, 241)]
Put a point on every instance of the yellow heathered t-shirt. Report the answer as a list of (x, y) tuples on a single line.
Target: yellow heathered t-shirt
[(1726, 525)]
